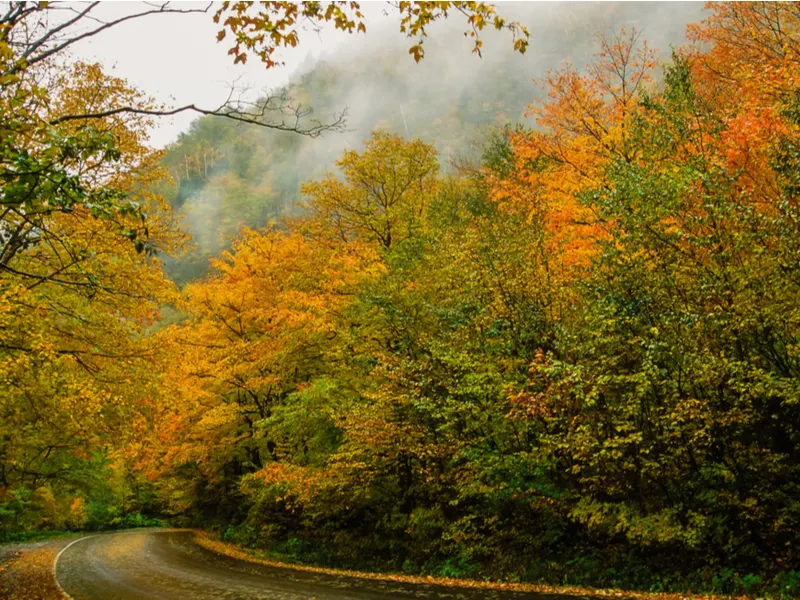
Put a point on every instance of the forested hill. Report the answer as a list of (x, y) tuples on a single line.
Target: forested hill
[(229, 175)]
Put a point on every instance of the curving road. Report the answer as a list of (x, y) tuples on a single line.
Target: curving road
[(169, 565)]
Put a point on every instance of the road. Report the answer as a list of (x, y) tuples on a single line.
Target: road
[(169, 565)]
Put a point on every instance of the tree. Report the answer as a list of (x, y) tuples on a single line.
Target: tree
[(79, 231), (672, 402), (78, 282), (386, 194), (258, 332), (584, 124)]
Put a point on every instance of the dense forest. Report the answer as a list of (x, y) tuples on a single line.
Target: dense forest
[(543, 332)]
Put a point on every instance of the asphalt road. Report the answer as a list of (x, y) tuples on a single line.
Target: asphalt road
[(169, 565)]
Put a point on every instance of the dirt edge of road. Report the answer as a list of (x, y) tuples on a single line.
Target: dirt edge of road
[(212, 542), (26, 570)]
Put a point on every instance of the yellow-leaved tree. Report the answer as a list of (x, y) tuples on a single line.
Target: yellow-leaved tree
[(385, 196), (79, 283), (258, 331)]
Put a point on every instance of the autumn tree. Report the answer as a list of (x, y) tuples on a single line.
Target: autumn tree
[(385, 196), (583, 125), (410, 402), (576, 361), (79, 284), (672, 402), (259, 331), (573, 362), (80, 227)]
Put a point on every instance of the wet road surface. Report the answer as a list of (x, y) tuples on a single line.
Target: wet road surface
[(169, 565)]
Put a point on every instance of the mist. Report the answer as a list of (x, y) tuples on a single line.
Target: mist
[(451, 99)]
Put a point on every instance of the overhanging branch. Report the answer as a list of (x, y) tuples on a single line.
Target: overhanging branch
[(294, 125)]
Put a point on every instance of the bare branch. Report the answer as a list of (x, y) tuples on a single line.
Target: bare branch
[(313, 130), (53, 32), (31, 59)]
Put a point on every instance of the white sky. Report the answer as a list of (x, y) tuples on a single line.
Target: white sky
[(177, 60)]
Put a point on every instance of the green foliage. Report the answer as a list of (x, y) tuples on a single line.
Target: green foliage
[(96, 497), (680, 417), (137, 519), (787, 584)]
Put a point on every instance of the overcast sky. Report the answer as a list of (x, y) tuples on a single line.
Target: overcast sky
[(177, 60)]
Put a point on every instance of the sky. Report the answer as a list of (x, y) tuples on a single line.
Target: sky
[(177, 60)]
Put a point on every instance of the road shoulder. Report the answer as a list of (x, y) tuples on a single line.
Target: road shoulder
[(26, 570), (213, 543)]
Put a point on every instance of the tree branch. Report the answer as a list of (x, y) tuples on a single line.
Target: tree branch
[(314, 130), (28, 59)]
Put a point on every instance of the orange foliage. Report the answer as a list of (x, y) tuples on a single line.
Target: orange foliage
[(256, 329), (746, 51), (746, 65), (582, 127)]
